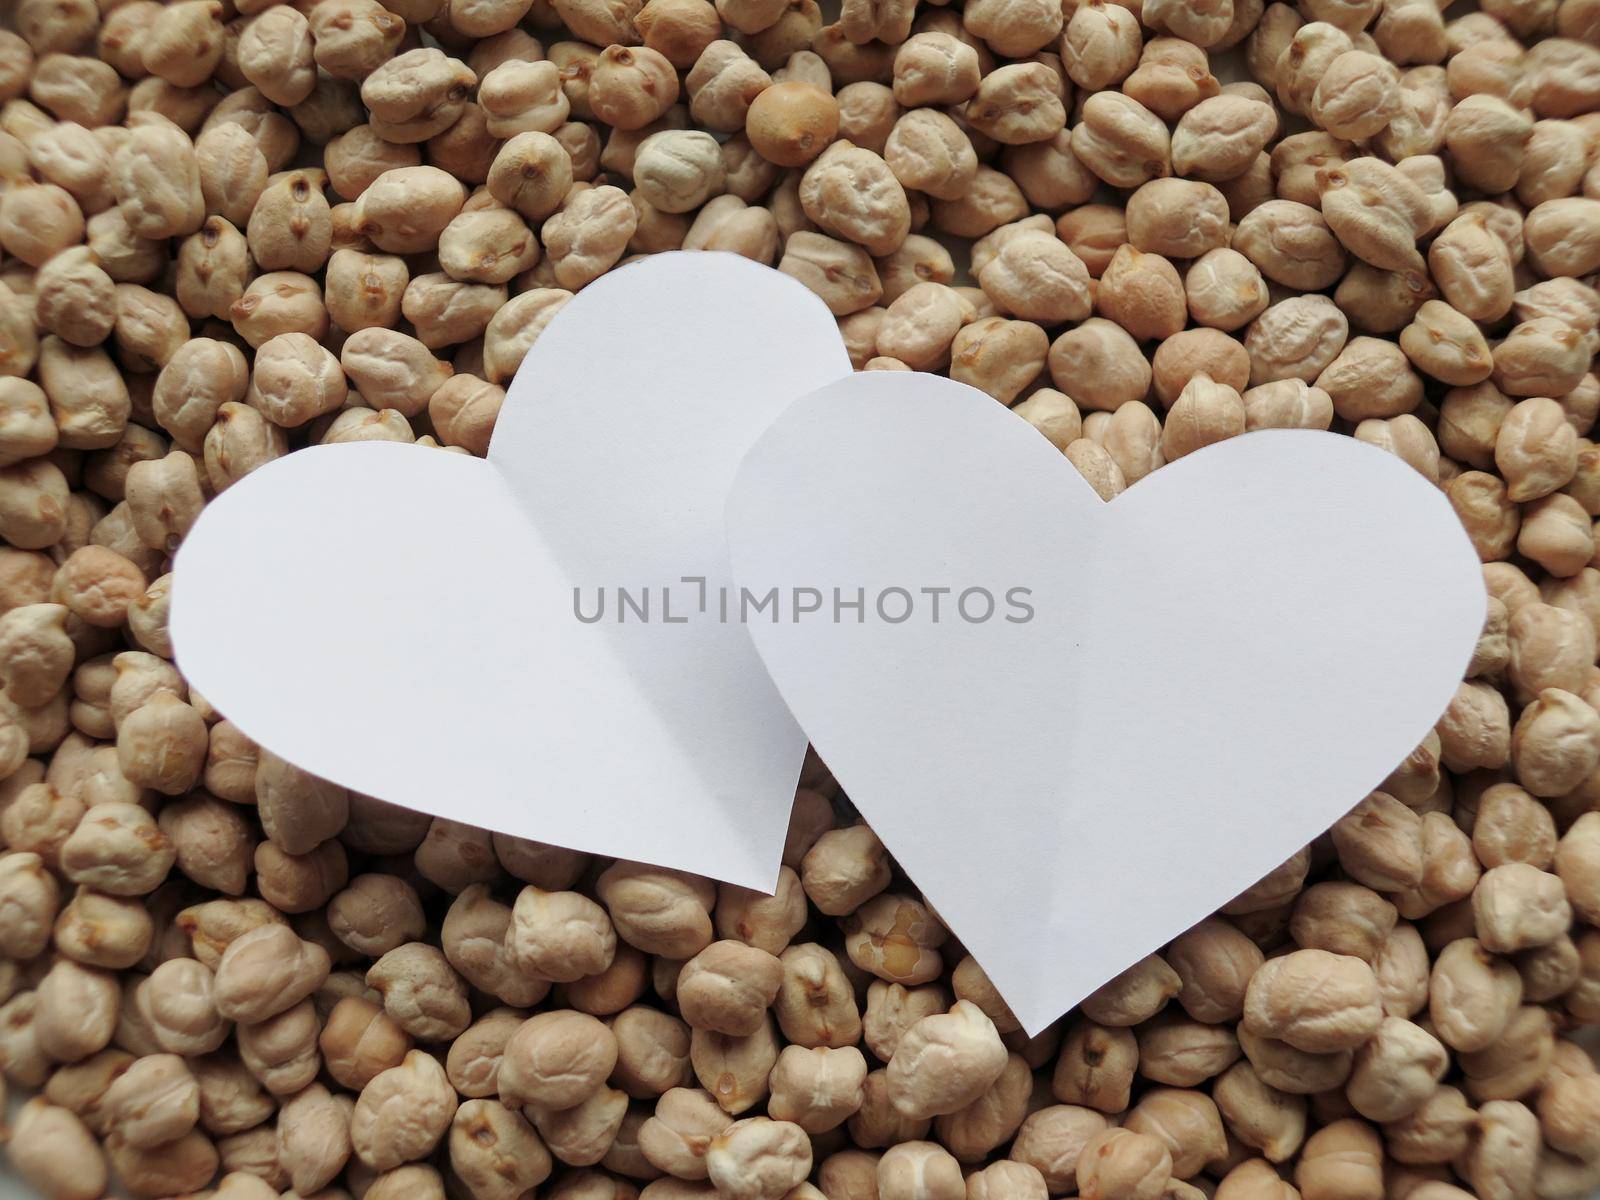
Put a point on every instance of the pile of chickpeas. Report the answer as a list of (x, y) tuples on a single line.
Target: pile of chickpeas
[(233, 228)]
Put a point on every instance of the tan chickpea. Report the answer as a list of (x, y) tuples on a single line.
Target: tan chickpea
[(1223, 290), (405, 210), (851, 193), (1472, 267), (1379, 843), (556, 1060), (815, 1005), (56, 1154), (416, 95), (403, 1113), (1172, 77), (1096, 1067), (1006, 1179), (473, 1061), (155, 177), (676, 1137), (495, 1151), (1100, 45), (1221, 136), (36, 655), (1561, 236), (38, 220), (587, 237), (1437, 1131), (1135, 995), (522, 97), (1473, 995), (1316, 1001), (935, 68), (559, 936), (842, 274), (631, 86), (176, 1002), (1099, 366), (77, 1012), (998, 356), (944, 1062), (818, 1088), (1037, 277), (727, 988), (359, 1040), (758, 1159), (164, 498), (421, 992), (1118, 1162), (463, 412), (1446, 345), (1098, 468), (1544, 356), (374, 914), (117, 849), (214, 271), (1204, 412), (240, 441), (1555, 743), (1503, 1155), (26, 427), (1370, 378), (721, 86), (1121, 141), (1053, 414), (734, 1070), (290, 227), (1018, 104), (929, 152), (919, 1170), (265, 971), (89, 400), (275, 54), (1291, 244), (392, 370)]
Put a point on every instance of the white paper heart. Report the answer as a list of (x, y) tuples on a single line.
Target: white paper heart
[(1220, 663), (402, 620)]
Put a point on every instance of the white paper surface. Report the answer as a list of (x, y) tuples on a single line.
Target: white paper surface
[(1221, 662), (401, 620)]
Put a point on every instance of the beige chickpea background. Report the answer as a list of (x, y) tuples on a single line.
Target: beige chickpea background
[(230, 232)]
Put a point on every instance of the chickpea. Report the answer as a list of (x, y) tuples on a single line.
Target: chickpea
[(1316, 1001), (851, 193), (416, 95), (631, 86), (758, 1159), (677, 1136), (1100, 45), (1121, 141), (1221, 136), (56, 1154), (295, 380), (556, 1060), (265, 971), (405, 210), (735, 1070), (927, 151), (402, 1113), (935, 68), (194, 384)]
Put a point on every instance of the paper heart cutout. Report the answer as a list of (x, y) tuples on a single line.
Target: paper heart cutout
[(1221, 662), (402, 621)]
